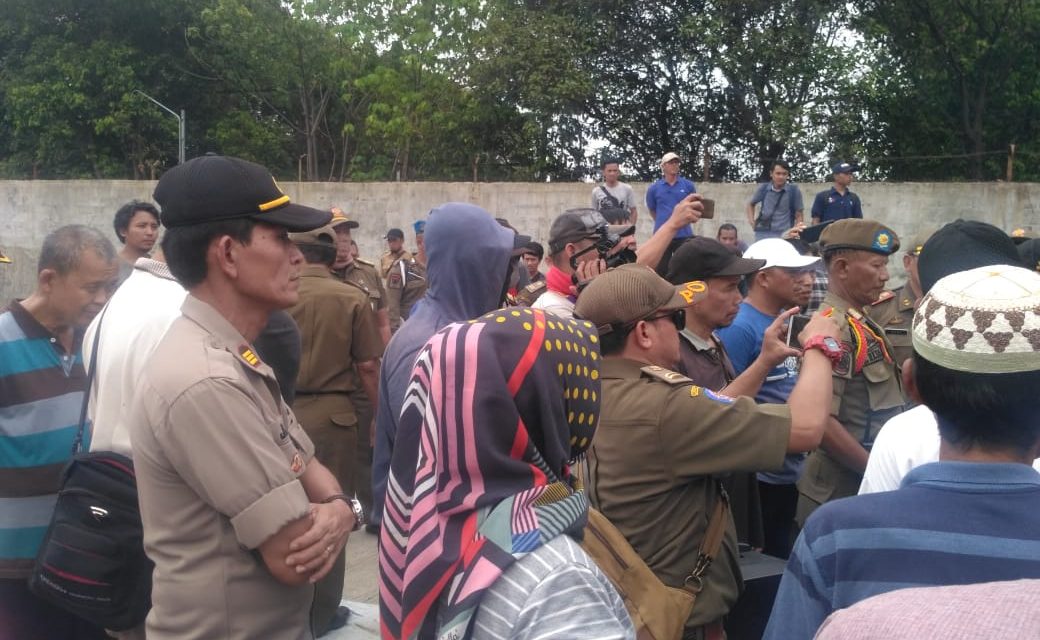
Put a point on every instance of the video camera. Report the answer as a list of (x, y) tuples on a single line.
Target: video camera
[(605, 243)]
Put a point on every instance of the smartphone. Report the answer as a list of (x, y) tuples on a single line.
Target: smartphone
[(794, 328), (709, 209)]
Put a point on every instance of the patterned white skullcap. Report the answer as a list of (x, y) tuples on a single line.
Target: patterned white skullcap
[(985, 320)]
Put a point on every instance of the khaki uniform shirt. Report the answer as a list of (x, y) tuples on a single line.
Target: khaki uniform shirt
[(364, 275), (894, 312), (862, 403), (389, 259), (659, 443), (218, 456), (405, 284)]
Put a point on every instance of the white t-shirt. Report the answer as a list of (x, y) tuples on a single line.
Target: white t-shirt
[(555, 303), (908, 440), (137, 317)]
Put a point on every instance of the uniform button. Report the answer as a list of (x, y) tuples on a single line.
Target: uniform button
[(53, 340)]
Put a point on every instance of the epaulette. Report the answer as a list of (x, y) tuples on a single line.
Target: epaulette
[(665, 375), (884, 297), (527, 296), (364, 262), (363, 288)]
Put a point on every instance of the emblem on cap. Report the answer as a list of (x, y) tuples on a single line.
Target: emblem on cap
[(882, 240)]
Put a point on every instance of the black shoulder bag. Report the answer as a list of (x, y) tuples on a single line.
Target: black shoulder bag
[(611, 208), (92, 562)]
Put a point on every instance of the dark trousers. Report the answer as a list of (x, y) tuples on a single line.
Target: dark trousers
[(779, 503), (24, 616)]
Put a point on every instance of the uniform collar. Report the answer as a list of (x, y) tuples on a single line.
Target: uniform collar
[(976, 477), (315, 271), (624, 368), (841, 306), (224, 335)]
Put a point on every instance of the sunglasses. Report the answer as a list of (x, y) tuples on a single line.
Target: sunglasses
[(678, 318)]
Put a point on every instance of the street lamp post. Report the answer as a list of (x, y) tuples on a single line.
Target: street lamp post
[(180, 124)]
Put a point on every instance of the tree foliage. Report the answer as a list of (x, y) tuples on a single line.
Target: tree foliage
[(520, 89)]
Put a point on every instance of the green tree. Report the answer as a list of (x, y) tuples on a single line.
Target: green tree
[(952, 79)]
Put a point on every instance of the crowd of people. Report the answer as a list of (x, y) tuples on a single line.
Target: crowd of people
[(710, 400)]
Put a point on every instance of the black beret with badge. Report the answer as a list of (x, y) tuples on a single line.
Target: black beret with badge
[(212, 188), (860, 235)]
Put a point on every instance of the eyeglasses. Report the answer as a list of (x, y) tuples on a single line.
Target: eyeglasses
[(678, 318), (794, 272)]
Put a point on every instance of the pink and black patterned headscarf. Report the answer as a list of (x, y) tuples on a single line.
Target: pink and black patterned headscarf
[(496, 411)]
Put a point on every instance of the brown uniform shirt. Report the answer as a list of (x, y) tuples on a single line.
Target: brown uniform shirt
[(388, 259), (659, 443), (894, 312), (405, 284), (218, 456), (337, 329), (862, 402), (364, 275)]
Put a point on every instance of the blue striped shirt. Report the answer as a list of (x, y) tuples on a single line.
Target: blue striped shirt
[(41, 392), (950, 523)]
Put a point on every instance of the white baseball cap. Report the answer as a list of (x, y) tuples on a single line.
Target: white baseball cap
[(778, 253), (668, 157)]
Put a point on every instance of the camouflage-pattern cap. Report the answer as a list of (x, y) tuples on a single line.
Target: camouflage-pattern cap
[(862, 235), (632, 292)]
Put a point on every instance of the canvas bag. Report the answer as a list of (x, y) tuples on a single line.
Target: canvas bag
[(658, 612)]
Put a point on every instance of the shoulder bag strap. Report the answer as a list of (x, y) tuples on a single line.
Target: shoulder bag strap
[(614, 201), (711, 544), (91, 372)]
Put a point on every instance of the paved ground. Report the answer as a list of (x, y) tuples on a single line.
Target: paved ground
[(360, 590)]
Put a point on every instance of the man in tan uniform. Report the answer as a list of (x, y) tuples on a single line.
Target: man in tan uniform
[(337, 332), (894, 309), (238, 516), (867, 386), (395, 250), (365, 275), (662, 440), (405, 285), (360, 272)]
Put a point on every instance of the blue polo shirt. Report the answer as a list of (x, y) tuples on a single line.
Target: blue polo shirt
[(949, 523), (662, 197), (831, 205)]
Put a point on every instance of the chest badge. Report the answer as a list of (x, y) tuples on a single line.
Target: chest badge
[(297, 463)]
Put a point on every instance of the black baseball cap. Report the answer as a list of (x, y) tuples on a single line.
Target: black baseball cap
[(394, 234), (211, 188), (701, 258), (963, 245)]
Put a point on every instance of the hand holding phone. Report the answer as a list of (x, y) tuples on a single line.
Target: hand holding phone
[(794, 328)]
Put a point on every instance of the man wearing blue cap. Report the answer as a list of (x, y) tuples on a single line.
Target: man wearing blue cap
[(838, 202)]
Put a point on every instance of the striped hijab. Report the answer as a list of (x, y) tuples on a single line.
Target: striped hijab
[(495, 411)]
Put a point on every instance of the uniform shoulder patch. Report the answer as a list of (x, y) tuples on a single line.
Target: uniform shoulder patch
[(665, 375), (884, 297), (527, 296), (247, 354)]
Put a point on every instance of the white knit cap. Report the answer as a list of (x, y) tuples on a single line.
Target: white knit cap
[(985, 320)]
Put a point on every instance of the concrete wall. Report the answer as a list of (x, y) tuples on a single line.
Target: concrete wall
[(31, 209)]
